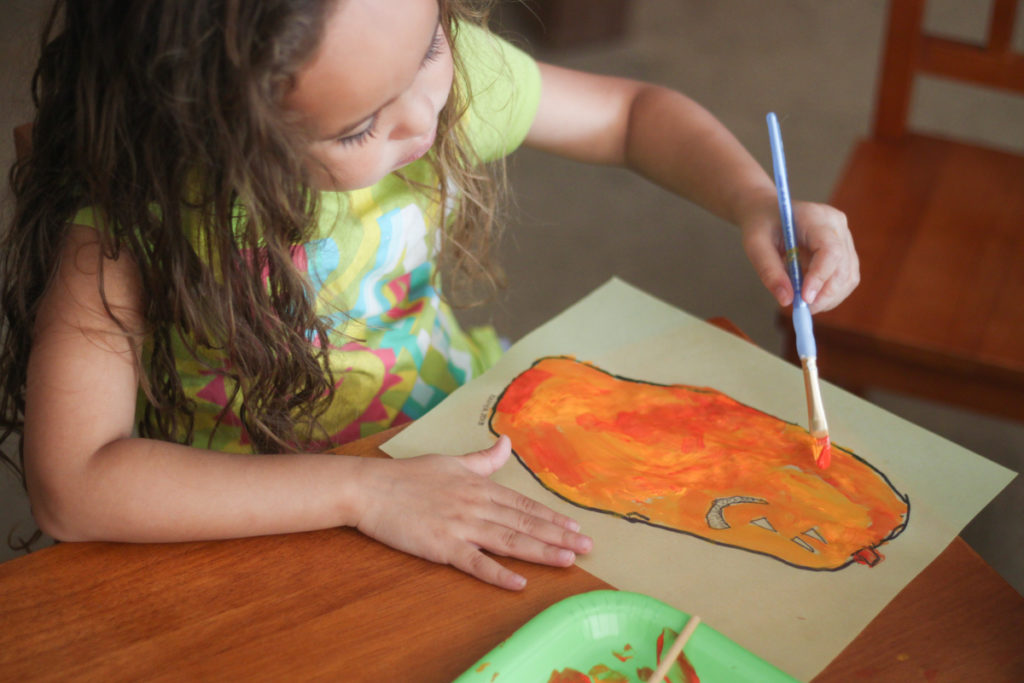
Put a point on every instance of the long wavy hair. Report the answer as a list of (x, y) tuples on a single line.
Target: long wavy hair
[(154, 109)]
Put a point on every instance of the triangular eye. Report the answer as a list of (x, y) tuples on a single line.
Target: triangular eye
[(763, 523), (816, 535), (803, 544)]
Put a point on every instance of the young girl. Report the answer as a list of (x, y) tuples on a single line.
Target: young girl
[(228, 240)]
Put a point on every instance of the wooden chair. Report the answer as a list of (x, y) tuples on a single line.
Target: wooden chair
[(939, 226)]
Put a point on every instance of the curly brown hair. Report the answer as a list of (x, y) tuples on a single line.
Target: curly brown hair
[(154, 109)]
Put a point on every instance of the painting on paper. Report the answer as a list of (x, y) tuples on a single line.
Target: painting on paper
[(693, 460)]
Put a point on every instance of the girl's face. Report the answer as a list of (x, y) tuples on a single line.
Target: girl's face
[(372, 93)]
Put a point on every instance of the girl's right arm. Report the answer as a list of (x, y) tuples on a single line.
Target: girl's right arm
[(89, 479)]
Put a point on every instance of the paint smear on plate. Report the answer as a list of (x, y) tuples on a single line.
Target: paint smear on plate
[(681, 670), (694, 460)]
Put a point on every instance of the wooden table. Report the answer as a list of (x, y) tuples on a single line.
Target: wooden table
[(335, 605)]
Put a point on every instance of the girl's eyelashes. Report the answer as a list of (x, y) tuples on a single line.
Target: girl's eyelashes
[(435, 47), (363, 136)]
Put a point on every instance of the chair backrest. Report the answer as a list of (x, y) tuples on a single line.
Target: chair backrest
[(910, 50)]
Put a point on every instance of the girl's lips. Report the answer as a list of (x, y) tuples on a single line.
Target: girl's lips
[(420, 151)]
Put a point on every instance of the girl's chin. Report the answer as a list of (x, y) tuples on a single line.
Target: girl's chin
[(328, 183), (346, 185)]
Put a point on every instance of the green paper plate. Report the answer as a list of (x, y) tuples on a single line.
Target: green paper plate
[(616, 631)]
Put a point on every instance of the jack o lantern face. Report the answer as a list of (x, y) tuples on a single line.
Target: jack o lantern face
[(693, 460)]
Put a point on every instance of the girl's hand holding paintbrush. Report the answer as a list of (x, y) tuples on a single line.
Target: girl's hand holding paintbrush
[(828, 258)]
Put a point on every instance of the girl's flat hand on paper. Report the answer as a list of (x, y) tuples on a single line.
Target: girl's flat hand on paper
[(828, 259), (445, 509)]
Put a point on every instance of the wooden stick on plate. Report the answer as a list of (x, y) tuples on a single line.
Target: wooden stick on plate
[(673, 652)]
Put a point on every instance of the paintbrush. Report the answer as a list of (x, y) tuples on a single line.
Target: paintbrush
[(675, 650), (805, 346)]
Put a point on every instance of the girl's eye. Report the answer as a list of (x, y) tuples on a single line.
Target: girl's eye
[(363, 136), (435, 48), (370, 131)]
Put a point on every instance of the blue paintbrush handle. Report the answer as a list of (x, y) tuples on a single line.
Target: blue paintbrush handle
[(805, 346)]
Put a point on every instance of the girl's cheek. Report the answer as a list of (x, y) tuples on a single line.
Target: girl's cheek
[(326, 172), (347, 168)]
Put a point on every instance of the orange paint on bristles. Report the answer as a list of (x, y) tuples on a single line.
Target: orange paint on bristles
[(823, 451)]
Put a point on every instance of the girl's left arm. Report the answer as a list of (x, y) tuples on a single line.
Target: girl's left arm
[(673, 141)]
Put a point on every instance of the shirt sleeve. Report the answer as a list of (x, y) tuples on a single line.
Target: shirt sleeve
[(504, 91)]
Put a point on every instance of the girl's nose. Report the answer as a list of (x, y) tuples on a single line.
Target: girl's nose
[(415, 116)]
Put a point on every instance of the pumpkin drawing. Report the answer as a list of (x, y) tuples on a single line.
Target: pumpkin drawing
[(693, 460)]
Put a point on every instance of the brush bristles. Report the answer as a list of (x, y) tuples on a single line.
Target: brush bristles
[(816, 423)]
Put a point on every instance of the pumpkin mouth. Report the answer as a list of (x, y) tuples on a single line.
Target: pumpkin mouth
[(716, 520), (808, 540), (716, 516)]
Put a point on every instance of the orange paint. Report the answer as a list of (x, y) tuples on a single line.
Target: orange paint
[(626, 654), (693, 460), (602, 673), (823, 452), (689, 673)]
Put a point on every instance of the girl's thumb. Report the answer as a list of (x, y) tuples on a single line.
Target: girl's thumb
[(489, 460)]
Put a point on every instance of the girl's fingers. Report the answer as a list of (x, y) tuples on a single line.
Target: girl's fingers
[(833, 274), (763, 253), (547, 531), (528, 507), (820, 272), (833, 271), (507, 542), (489, 460), (512, 533), (472, 561)]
